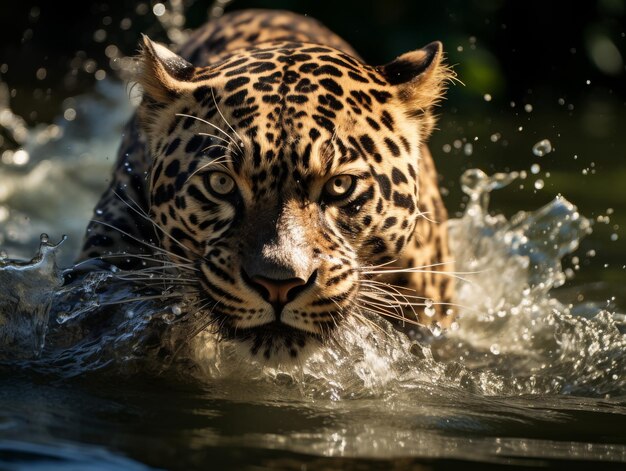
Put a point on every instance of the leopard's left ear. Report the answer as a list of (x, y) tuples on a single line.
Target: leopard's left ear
[(420, 76), (163, 75)]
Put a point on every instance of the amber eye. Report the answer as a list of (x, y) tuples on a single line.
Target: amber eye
[(220, 183), (339, 187)]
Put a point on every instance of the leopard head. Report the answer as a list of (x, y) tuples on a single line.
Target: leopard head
[(283, 172)]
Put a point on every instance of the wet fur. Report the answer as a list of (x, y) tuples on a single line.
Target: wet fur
[(288, 104)]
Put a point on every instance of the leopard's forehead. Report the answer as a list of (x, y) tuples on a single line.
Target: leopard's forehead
[(291, 61), (297, 109)]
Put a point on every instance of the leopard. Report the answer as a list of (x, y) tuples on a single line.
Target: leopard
[(290, 180)]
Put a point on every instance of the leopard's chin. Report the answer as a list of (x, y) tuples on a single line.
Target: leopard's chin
[(275, 341)]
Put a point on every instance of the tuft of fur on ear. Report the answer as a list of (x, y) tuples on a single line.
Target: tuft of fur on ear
[(163, 75), (420, 77)]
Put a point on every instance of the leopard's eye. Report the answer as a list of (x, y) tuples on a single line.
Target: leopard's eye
[(220, 183), (339, 187)]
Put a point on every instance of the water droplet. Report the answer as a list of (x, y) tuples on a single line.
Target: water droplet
[(614, 237), (429, 311), (468, 149), (539, 184), (435, 329), (158, 9), (487, 97), (168, 318), (99, 35), (535, 169), (69, 114), (542, 148), (528, 108), (495, 349), (20, 157)]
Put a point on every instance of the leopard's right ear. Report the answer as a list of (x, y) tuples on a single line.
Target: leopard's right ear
[(163, 75)]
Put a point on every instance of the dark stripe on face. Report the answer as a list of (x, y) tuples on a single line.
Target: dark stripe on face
[(219, 293), (220, 273), (337, 298)]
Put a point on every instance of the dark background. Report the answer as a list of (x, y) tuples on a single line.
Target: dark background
[(516, 51), (531, 70)]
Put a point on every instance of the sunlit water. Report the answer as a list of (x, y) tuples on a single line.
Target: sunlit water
[(521, 375)]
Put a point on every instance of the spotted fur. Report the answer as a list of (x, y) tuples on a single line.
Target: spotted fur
[(282, 105)]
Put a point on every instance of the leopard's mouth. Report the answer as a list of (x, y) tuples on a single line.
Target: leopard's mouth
[(272, 339)]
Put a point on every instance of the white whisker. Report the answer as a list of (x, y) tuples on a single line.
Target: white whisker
[(208, 164), (142, 298), (213, 126), (394, 298), (213, 136), (225, 120), (152, 246)]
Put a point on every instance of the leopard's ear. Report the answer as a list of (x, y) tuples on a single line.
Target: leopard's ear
[(420, 76), (163, 75)]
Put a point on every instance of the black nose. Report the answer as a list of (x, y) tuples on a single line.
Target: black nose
[(278, 292)]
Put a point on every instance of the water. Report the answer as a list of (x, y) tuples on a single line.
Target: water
[(72, 155), (542, 148)]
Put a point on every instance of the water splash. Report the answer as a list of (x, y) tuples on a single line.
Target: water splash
[(59, 182), (26, 294), (513, 336), (542, 148), (517, 328)]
